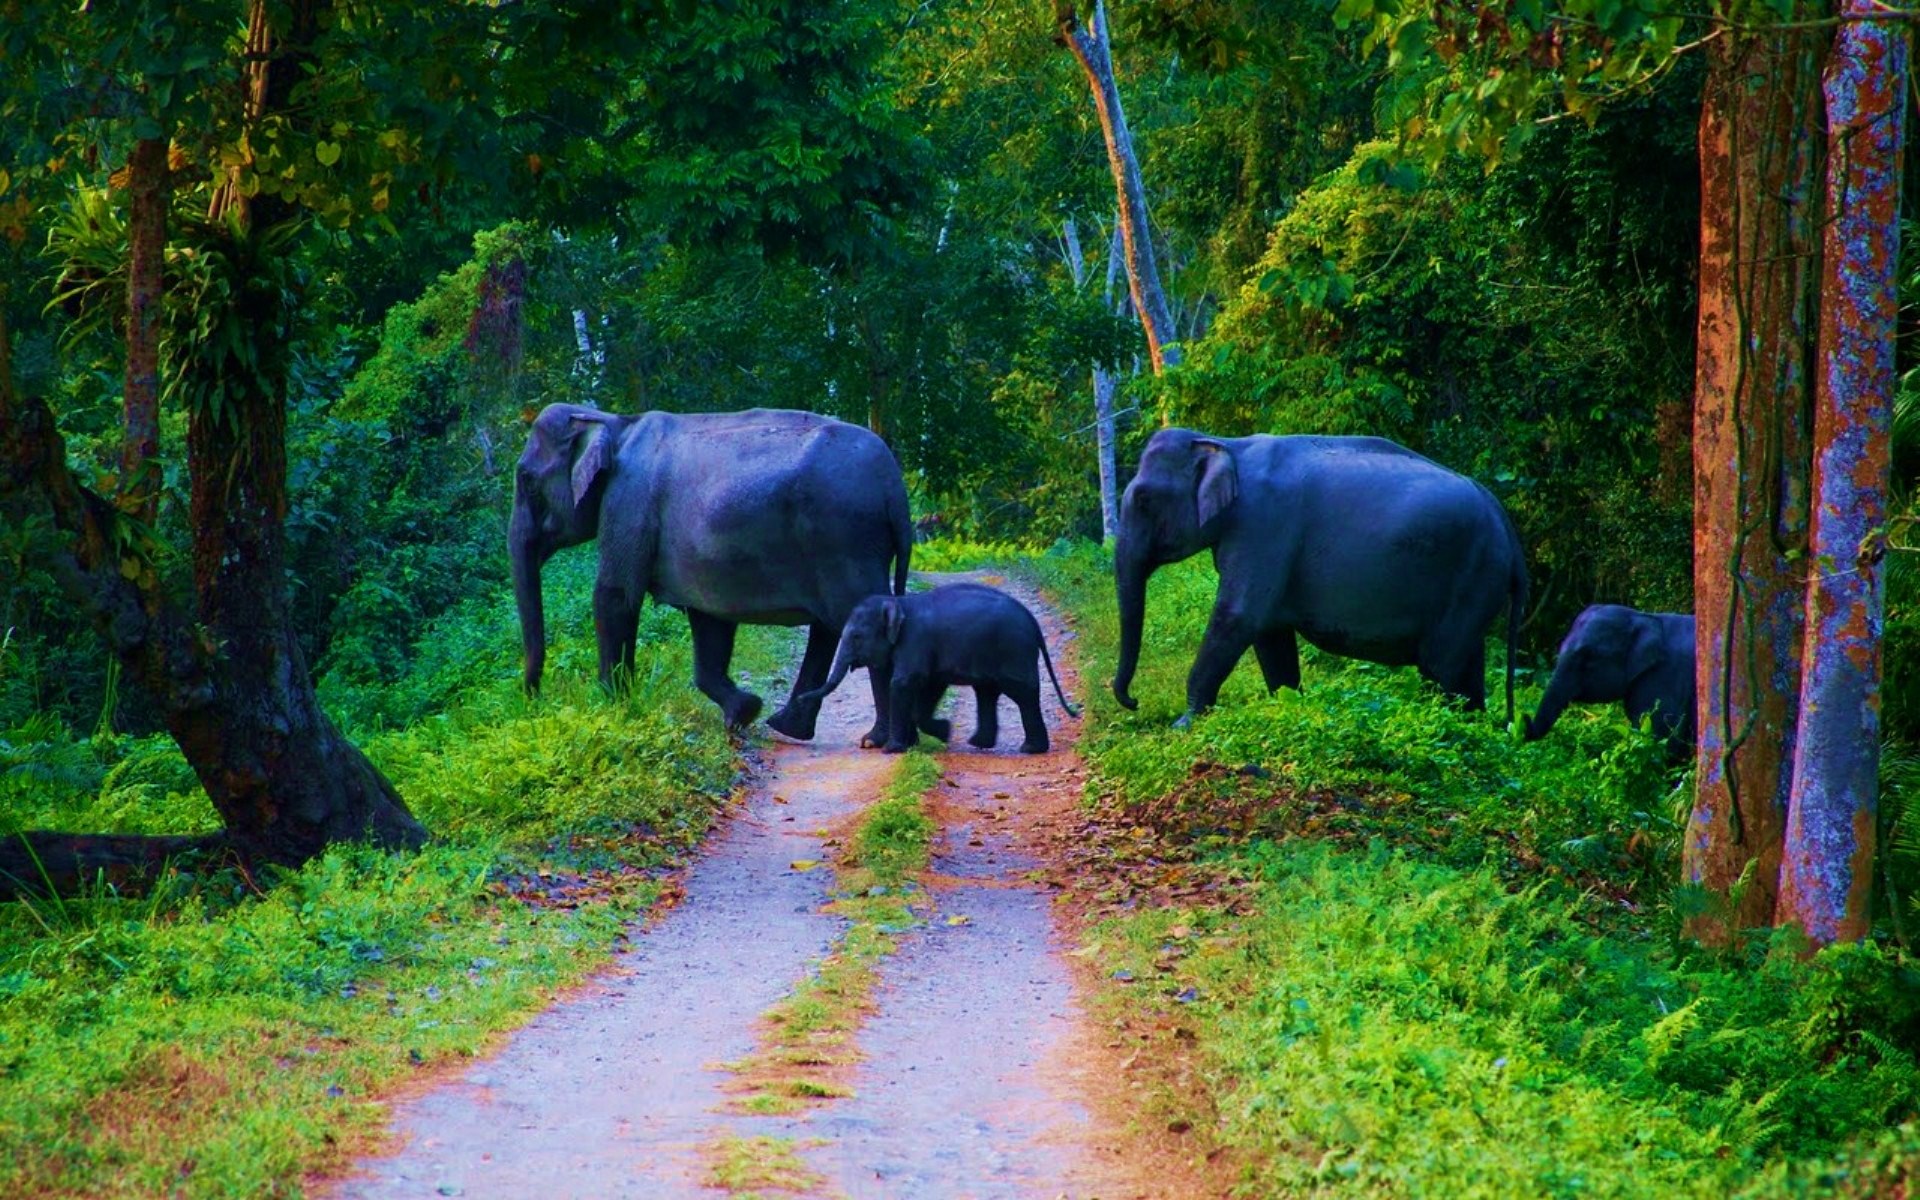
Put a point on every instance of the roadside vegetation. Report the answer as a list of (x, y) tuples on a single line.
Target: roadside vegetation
[(1457, 968), (226, 1034)]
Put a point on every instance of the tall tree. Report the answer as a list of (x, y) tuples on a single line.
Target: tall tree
[(1093, 48)]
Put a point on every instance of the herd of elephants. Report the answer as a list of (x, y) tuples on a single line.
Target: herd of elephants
[(772, 516)]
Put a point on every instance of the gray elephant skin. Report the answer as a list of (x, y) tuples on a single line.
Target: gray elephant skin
[(761, 517), (959, 635), (1645, 660), (1357, 544)]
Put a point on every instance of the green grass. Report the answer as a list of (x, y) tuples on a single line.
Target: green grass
[(962, 554), (208, 1040), (1459, 971)]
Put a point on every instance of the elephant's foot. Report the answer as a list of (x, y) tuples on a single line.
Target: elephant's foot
[(794, 722), (897, 747), (741, 709), (877, 736), (984, 738), (938, 728), (1034, 746)]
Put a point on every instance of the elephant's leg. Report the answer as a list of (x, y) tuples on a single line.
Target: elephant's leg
[(1457, 663), (986, 730), (903, 701), (616, 625), (796, 718), (1031, 718), (712, 655), (1279, 654), (882, 709), (923, 719), (1228, 635)]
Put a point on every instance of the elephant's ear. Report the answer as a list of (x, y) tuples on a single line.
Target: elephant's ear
[(589, 455), (1647, 649), (896, 617), (1219, 479)]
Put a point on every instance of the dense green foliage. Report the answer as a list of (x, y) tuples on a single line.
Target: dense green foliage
[(1461, 972)]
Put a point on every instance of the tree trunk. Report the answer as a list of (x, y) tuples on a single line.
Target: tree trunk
[(147, 187), (280, 774), (1107, 423), (1092, 47), (229, 678), (41, 864), (1103, 382), (1759, 124), (1827, 869)]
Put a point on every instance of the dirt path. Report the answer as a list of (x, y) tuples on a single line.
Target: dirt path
[(983, 1077)]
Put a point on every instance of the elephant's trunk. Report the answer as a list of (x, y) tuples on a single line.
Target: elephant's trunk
[(836, 674), (526, 553), (1130, 573), (1560, 693)]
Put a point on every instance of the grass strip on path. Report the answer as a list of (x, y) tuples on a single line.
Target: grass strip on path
[(806, 1040), (757, 1168)]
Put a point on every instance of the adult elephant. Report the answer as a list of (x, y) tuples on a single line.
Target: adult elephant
[(762, 517), (1643, 659), (1361, 546)]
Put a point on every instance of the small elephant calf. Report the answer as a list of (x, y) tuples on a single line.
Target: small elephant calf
[(1618, 653), (959, 635)]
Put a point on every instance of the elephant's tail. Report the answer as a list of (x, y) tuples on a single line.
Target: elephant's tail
[(1057, 689), (902, 543)]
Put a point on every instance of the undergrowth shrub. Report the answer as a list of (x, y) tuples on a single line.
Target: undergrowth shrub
[(1407, 1026)]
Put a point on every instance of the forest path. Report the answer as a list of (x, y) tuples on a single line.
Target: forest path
[(982, 1075)]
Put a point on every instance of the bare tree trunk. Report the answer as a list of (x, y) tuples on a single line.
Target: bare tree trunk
[(1092, 47), (1827, 868), (1759, 123), (1103, 384)]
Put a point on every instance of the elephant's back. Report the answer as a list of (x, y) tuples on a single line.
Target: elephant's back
[(1380, 541), (773, 511), (1382, 486)]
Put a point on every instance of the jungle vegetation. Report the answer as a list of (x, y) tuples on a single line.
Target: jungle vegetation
[(281, 284)]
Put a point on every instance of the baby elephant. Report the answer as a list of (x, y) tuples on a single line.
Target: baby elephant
[(960, 635), (1619, 653)]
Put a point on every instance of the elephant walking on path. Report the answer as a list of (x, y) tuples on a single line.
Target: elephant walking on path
[(959, 635), (1644, 659), (761, 517), (1357, 544)]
